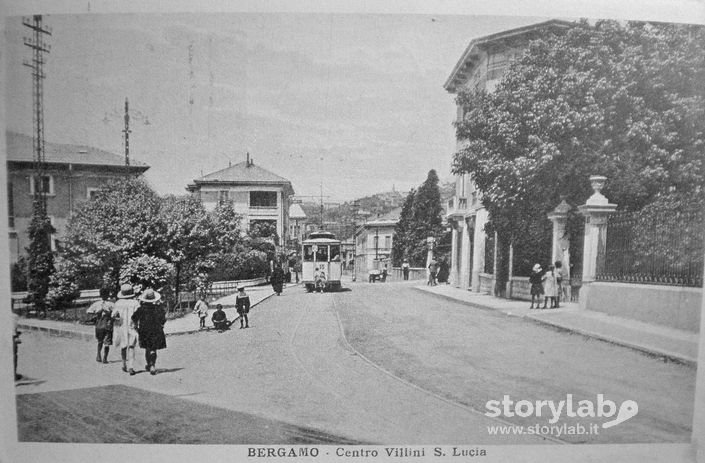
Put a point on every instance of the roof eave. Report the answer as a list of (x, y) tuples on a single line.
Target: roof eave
[(480, 41)]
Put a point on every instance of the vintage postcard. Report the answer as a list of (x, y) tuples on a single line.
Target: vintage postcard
[(344, 233)]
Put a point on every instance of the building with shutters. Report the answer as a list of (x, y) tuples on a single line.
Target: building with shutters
[(73, 174), (481, 67), (258, 195)]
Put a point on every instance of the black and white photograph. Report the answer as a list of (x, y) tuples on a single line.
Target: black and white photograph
[(353, 233)]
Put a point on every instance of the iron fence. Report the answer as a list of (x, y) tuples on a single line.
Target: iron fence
[(664, 248)]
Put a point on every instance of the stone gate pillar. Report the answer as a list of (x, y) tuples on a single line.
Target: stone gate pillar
[(430, 242), (595, 210), (453, 278), (561, 243)]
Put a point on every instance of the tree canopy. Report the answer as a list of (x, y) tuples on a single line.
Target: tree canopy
[(421, 217), (621, 100)]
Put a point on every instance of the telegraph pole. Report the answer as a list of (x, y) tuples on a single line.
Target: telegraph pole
[(41, 258), (127, 132), (36, 64)]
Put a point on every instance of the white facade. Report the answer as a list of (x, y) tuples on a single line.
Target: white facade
[(239, 196), (373, 247), (253, 192), (481, 66)]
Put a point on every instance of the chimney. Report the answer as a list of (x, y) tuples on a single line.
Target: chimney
[(248, 159)]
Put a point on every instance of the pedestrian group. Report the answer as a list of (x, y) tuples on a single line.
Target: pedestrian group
[(129, 322), (547, 285)]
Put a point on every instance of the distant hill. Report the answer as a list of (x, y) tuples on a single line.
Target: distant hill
[(340, 219)]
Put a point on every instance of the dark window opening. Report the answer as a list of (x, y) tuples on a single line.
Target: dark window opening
[(266, 199)]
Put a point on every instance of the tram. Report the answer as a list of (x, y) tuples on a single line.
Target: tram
[(321, 255)]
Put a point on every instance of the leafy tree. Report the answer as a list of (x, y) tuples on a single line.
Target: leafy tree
[(188, 238), (147, 272), (40, 258), (264, 229), (426, 219), (226, 231), (402, 231), (622, 100), (120, 223)]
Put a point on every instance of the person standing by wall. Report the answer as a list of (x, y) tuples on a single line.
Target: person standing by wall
[(405, 269), (432, 269), (536, 286), (124, 333), (242, 304), (149, 320), (550, 287), (562, 283), (103, 311)]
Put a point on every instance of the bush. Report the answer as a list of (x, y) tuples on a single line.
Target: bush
[(63, 288), (18, 273), (147, 272)]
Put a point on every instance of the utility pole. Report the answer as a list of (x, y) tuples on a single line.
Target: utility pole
[(36, 64), (127, 132), (321, 205), (40, 259)]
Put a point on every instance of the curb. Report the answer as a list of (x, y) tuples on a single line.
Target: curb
[(67, 333), (652, 351), (460, 301), (58, 332)]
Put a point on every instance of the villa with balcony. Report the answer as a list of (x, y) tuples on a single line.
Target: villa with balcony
[(481, 67), (373, 242), (256, 194)]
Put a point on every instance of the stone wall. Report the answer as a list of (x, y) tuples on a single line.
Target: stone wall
[(670, 306), (415, 273), (486, 283)]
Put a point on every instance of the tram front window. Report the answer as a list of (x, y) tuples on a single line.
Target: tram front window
[(308, 253), (335, 253), (322, 254)]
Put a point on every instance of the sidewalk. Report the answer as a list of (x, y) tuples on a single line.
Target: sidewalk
[(673, 344), (185, 325)]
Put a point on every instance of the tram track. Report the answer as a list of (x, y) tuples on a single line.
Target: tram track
[(359, 408), (407, 383)]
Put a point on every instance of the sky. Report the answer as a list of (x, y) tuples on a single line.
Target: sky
[(345, 105)]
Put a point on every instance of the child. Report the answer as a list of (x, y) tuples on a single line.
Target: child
[(536, 287), (201, 309), (242, 304), (220, 319), (103, 310), (550, 287)]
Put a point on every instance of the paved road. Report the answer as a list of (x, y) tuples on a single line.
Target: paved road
[(292, 366), (472, 355), (412, 369)]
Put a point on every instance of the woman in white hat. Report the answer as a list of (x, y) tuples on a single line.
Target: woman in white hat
[(124, 333), (536, 286), (149, 320)]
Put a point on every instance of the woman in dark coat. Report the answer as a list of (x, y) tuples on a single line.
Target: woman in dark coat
[(149, 321), (277, 279)]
